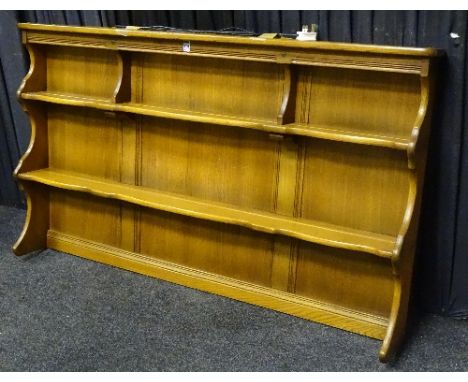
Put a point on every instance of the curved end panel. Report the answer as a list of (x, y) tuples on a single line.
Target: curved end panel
[(36, 155), (402, 265), (32, 66), (405, 248), (385, 356), (36, 78), (34, 234), (407, 225), (396, 326), (404, 252), (415, 143)]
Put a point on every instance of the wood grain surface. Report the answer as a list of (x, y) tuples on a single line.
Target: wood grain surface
[(280, 173)]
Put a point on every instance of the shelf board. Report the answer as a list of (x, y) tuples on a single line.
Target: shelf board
[(334, 133), (69, 99), (313, 131), (254, 42), (307, 230), (148, 110)]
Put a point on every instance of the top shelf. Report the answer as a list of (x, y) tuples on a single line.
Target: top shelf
[(334, 133), (250, 41)]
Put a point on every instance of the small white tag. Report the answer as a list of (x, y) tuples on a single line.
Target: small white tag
[(186, 47)]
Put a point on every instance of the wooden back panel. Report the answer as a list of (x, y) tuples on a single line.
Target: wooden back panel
[(98, 71), (362, 187), (233, 166), (79, 140), (206, 85), (359, 100)]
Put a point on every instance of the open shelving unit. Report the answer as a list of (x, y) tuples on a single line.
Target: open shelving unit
[(275, 172)]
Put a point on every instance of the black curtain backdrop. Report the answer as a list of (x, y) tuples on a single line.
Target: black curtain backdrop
[(442, 269)]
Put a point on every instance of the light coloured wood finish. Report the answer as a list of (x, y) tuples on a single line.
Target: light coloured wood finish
[(335, 167), (347, 90), (100, 68), (34, 233), (280, 173), (307, 230), (330, 132), (183, 89), (59, 34), (357, 322)]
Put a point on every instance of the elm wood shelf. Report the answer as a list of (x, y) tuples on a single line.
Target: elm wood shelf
[(315, 232), (313, 131), (279, 173)]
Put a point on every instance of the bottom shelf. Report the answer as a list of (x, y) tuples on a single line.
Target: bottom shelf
[(307, 230), (337, 316)]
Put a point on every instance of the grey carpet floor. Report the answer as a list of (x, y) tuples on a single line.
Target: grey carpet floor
[(63, 313)]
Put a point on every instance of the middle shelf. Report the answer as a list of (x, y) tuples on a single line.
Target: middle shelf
[(334, 133), (307, 230)]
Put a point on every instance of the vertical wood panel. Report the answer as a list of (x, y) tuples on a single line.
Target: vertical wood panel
[(79, 215), (353, 280), (221, 249), (86, 141), (285, 248), (98, 71), (129, 172), (228, 165), (362, 187), (209, 85), (364, 101)]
